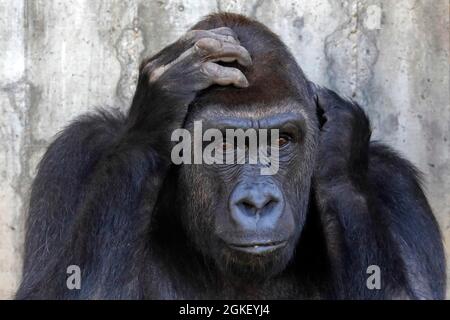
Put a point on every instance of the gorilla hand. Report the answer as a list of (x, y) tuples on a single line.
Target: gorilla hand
[(195, 67), (344, 138), (169, 81)]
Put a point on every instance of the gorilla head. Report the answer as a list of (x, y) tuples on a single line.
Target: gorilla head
[(249, 223)]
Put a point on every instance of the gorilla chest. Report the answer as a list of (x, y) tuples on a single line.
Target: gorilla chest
[(189, 284)]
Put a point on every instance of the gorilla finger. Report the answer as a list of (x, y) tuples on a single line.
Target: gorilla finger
[(188, 56), (214, 50), (195, 35), (224, 76), (205, 49), (225, 31)]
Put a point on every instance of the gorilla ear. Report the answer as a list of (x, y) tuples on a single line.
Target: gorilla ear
[(325, 99), (314, 92)]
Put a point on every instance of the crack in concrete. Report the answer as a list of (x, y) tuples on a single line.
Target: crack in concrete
[(128, 57), (357, 67), (255, 8)]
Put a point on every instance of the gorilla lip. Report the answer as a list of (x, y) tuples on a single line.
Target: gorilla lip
[(258, 248)]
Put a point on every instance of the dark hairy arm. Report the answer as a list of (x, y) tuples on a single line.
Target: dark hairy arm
[(86, 201), (373, 211)]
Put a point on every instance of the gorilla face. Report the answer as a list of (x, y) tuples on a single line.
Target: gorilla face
[(249, 223)]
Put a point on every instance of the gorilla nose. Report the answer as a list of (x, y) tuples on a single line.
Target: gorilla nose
[(260, 203)]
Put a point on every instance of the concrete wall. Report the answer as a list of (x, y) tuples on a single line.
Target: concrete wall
[(59, 59)]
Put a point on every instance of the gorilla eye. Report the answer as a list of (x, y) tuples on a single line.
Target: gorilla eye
[(283, 141), (226, 147)]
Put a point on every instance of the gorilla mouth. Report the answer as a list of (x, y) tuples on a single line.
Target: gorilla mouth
[(258, 248)]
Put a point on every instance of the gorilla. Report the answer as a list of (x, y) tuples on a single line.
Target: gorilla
[(341, 209)]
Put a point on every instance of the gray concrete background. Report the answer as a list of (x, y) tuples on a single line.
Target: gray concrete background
[(59, 59)]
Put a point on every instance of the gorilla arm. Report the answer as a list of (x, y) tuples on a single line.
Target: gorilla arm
[(373, 212), (86, 202)]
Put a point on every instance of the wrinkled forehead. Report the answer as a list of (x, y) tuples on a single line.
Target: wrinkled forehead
[(284, 109)]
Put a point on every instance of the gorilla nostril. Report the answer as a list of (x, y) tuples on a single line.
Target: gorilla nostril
[(253, 207), (271, 204), (247, 206)]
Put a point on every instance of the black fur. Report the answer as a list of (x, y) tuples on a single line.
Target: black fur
[(107, 199)]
